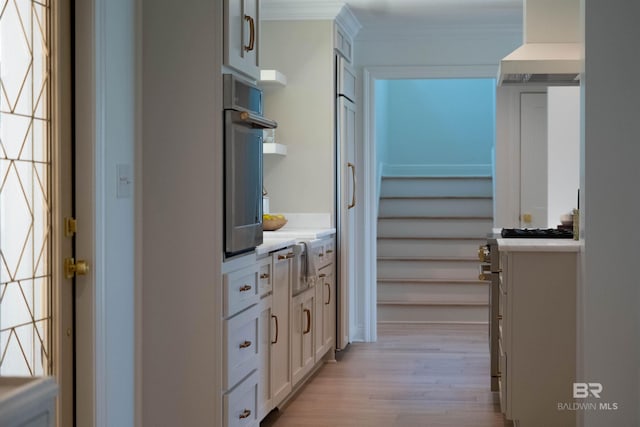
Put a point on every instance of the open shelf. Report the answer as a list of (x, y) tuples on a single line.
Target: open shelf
[(274, 148)]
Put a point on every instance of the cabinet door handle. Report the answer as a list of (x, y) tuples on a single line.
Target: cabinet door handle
[(264, 276), (308, 313), (353, 189), (245, 344), (277, 328), (252, 33), (287, 256), (329, 299), (245, 414), (329, 251), (245, 288), (321, 275)]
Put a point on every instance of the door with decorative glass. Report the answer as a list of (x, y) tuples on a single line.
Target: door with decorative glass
[(36, 300)]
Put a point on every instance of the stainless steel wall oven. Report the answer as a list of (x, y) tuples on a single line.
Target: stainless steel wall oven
[(243, 129)]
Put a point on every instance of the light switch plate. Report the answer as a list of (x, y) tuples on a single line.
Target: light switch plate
[(125, 181)]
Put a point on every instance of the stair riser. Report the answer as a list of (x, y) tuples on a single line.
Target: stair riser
[(449, 292), (436, 187), (427, 248), (433, 314), (436, 207), (428, 270), (433, 228)]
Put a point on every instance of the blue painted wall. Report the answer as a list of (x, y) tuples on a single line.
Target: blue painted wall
[(435, 122)]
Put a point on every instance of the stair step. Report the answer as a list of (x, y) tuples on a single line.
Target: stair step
[(428, 247), (433, 186), (450, 227), (431, 302), (436, 206), (437, 291), (427, 281), (431, 217), (429, 258), (433, 314), (428, 269)]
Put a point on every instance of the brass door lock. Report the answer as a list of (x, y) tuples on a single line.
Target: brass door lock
[(74, 268)]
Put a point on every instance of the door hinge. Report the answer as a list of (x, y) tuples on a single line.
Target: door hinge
[(70, 226)]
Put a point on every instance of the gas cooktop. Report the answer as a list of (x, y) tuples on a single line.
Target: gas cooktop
[(536, 233)]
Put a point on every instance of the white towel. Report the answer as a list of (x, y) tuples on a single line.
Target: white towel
[(310, 265)]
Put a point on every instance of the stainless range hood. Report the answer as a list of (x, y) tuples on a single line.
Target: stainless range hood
[(551, 51)]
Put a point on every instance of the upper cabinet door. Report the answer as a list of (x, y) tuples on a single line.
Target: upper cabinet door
[(342, 43), (242, 36), (346, 83)]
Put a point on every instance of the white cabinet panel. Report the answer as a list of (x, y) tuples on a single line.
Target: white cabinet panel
[(242, 36)]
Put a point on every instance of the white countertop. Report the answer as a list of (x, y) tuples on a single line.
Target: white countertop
[(538, 245), (275, 240)]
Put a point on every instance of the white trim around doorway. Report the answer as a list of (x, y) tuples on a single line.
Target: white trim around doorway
[(370, 166)]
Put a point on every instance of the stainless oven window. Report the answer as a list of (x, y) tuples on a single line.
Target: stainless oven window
[(243, 185)]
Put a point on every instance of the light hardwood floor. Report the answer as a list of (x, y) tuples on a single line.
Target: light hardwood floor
[(415, 375)]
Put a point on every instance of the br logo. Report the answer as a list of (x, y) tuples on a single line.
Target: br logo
[(584, 390)]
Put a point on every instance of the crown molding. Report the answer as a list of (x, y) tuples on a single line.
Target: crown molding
[(348, 22)]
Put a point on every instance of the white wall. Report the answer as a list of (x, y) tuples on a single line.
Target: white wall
[(182, 213), (436, 122), (563, 153), (303, 181), (609, 317)]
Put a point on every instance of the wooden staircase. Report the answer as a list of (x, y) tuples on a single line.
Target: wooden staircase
[(429, 230)]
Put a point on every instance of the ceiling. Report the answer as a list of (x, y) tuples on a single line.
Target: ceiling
[(437, 12), (395, 15)]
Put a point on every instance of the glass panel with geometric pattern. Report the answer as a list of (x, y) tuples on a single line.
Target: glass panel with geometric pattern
[(25, 188)]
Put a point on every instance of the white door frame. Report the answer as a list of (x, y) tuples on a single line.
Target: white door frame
[(106, 84), (370, 167)]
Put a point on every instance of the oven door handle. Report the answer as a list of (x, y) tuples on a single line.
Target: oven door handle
[(253, 120)]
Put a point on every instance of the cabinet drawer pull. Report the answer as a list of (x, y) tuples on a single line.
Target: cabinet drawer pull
[(499, 316), (264, 276), (321, 254), (321, 275), (329, 299), (308, 313), (245, 414), (329, 251), (273, 316), (245, 288), (252, 33), (245, 344), (287, 256)]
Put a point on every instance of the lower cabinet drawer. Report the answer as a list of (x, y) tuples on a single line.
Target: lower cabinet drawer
[(240, 290), (241, 403), (241, 340)]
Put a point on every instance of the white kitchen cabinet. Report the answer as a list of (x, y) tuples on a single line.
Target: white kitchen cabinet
[(265, 321), (537, 335), (325, 294), (28, 402), (342, 43), (302, 334), (347, 208), (280, 332), (240, 404), (242, 36), (325, 311)]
